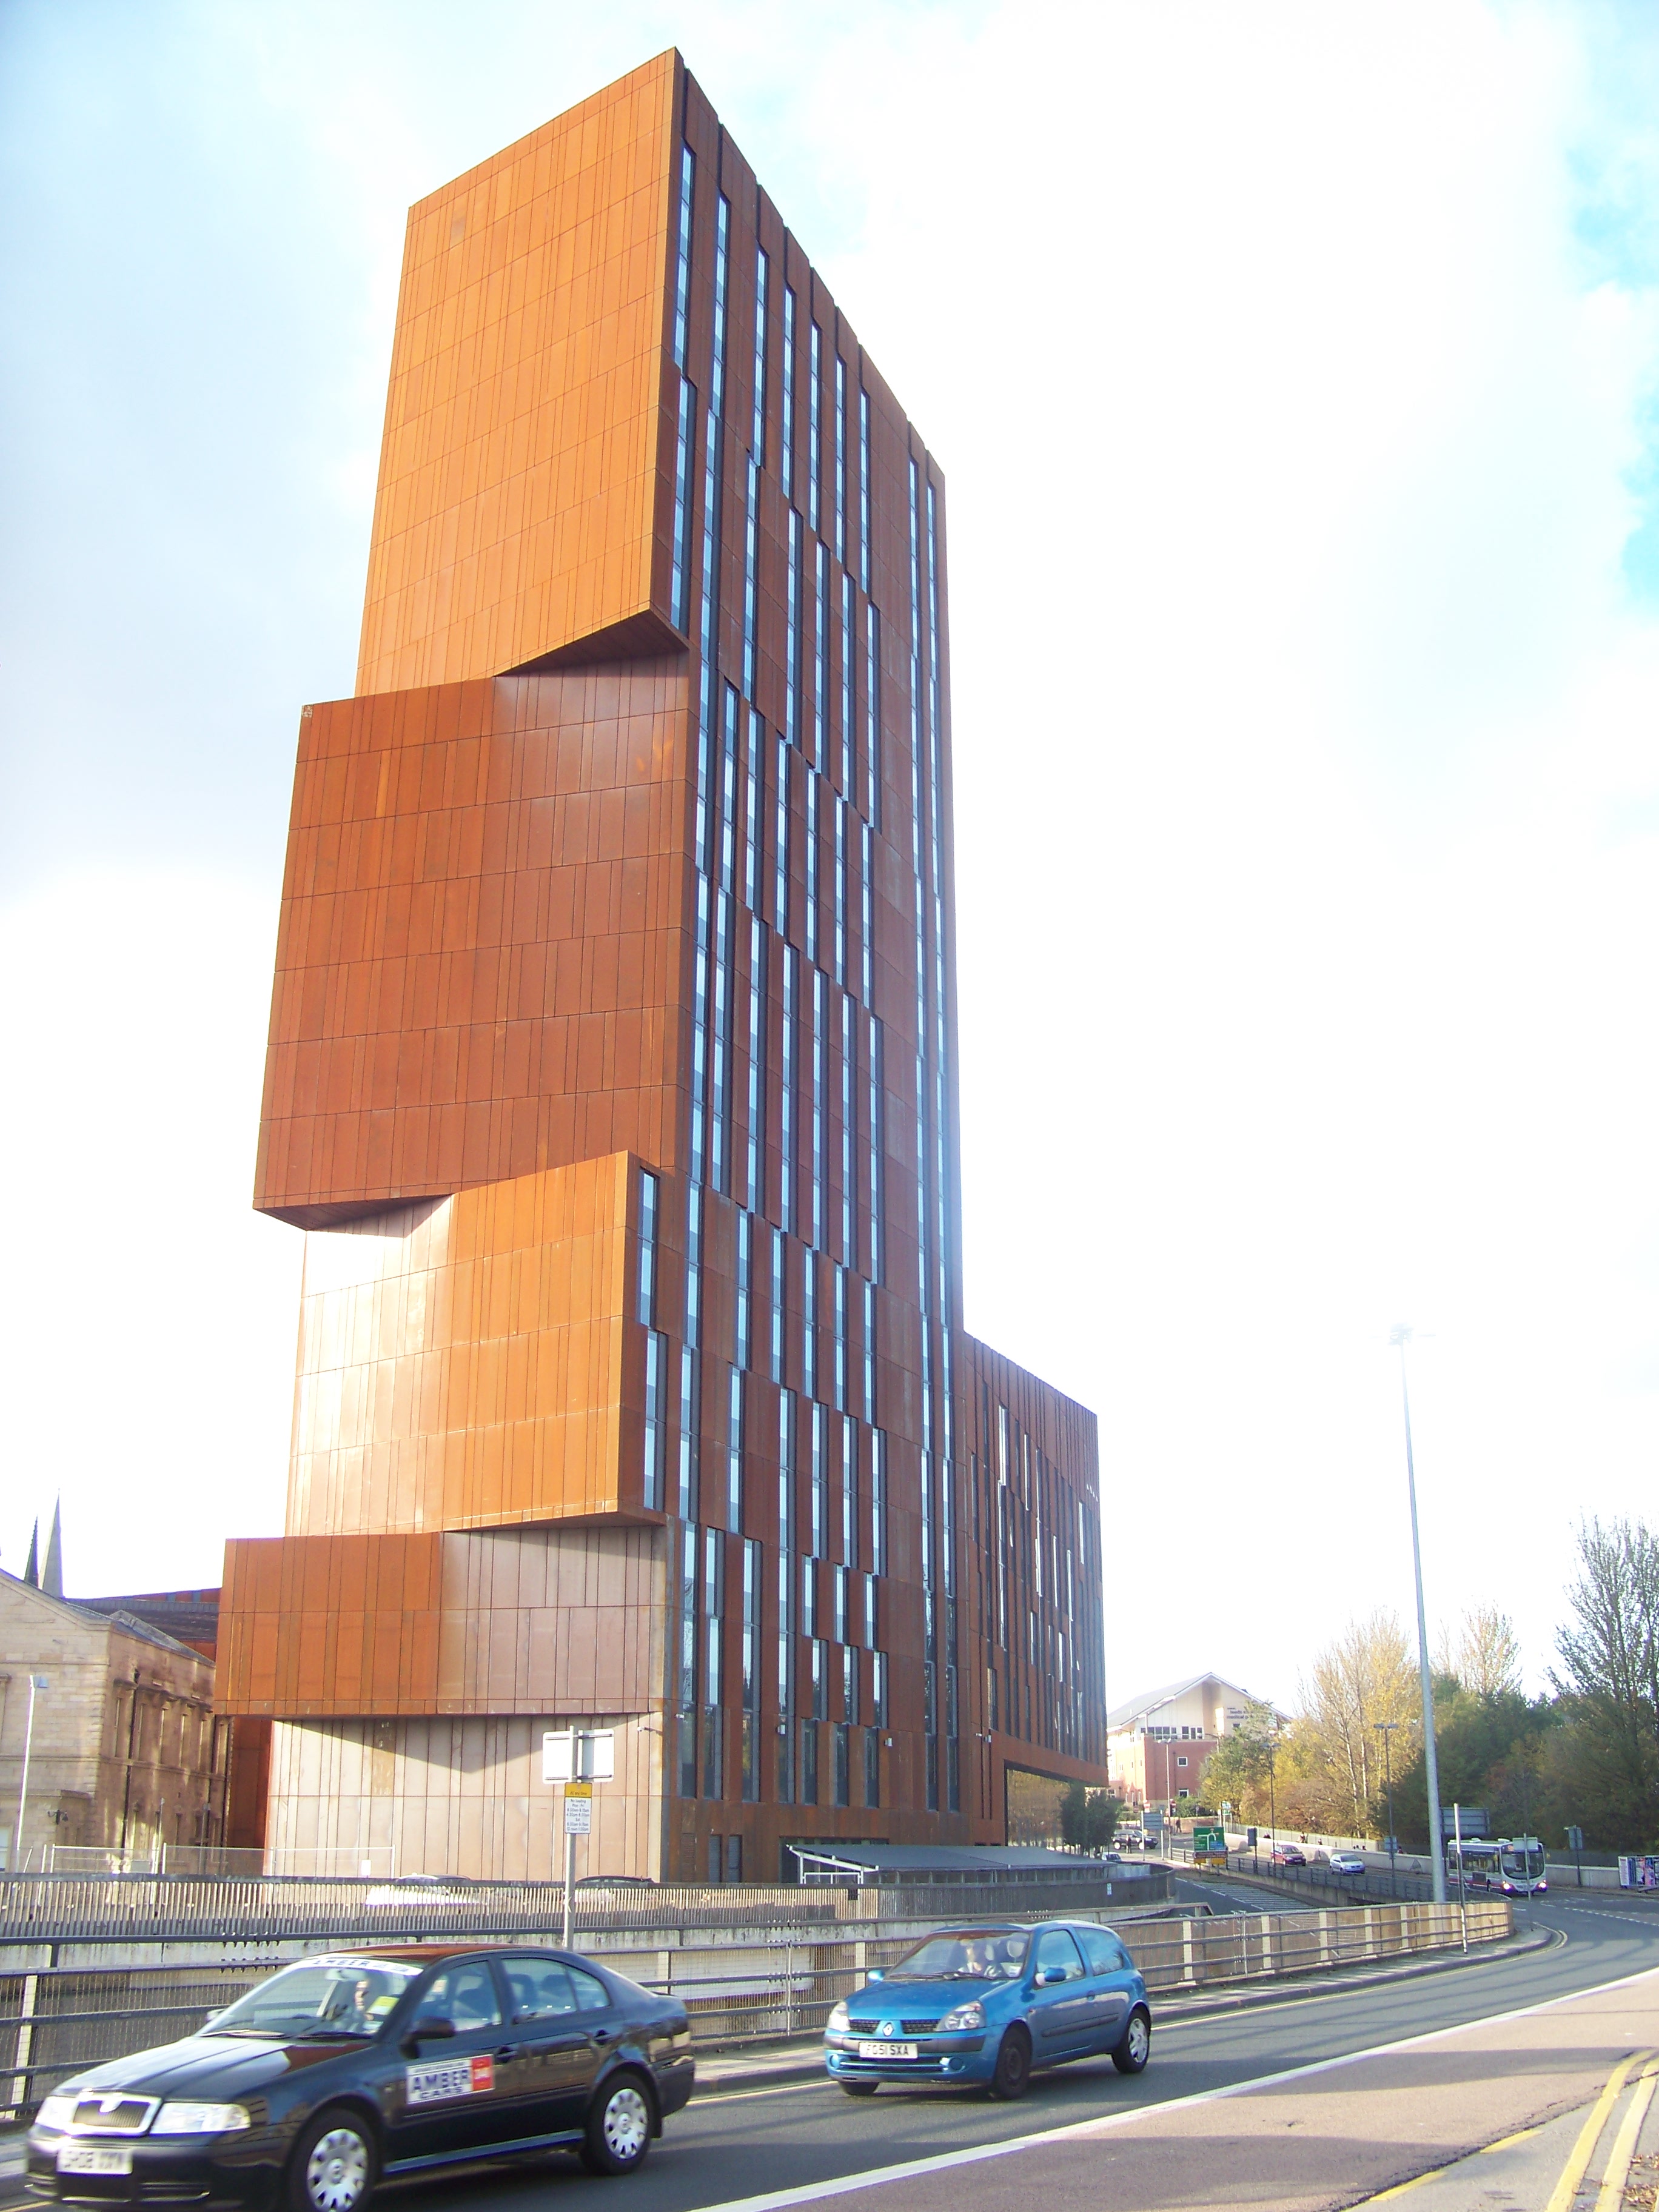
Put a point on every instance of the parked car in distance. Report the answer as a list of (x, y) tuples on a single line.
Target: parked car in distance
[(986, 2007), (1289, 1854), (378, 2061), (617, 1882), (1346, 1862)]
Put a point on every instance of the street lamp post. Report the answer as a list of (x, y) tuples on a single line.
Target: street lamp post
[(1385, 1730), (1399, 1338)]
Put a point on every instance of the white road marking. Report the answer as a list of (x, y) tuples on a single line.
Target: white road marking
[(974, 2153)]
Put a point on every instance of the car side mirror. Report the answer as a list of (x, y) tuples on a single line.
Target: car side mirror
[(424, 2031), (212, 2016), (877, 1974), (1051, 1974)]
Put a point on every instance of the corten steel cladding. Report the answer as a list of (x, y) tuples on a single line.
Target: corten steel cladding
[(612, 1078)]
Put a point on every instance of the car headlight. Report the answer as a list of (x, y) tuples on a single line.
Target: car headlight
[(199, 2119), (56, 2112), (836, 2023), (971, 2014)]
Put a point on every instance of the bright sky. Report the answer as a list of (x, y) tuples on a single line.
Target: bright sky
[(1294, 371)]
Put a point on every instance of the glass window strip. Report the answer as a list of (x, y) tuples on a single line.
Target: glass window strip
[(757, 439), (787, 413)]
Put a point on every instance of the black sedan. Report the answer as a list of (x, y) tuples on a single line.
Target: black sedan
[(363, 2063)]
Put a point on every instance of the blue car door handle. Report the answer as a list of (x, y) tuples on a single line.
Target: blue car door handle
[(601, 2035)]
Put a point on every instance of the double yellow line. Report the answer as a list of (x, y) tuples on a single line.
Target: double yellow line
[(1611, 2195)]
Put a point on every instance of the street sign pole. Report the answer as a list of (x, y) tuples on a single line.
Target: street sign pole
[(578, 1821)]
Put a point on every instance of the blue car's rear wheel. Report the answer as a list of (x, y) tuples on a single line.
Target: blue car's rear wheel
[(1012, 2075), (1134, 2046)]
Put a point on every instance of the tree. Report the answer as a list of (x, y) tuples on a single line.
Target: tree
[(1608, 1681), (1089, 1818), (1236, 1773), (1366, 1675), (1486, 1658)]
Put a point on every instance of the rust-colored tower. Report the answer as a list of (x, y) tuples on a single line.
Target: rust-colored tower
[(611, 1078)]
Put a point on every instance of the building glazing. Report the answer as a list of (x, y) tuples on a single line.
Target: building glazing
[(612, 1079)]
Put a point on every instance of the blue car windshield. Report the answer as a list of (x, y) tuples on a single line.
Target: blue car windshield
[(990, 1954)]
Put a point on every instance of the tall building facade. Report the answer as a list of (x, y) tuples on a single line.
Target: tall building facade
[(612, 1082)]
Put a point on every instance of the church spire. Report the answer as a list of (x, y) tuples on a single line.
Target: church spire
[(52, 1581), (32, 1564)]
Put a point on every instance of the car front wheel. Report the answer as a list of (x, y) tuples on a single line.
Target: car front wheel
[(335, 2165), (1134, 2046), (618, 2127), (860, 2088), (1012, 2077)]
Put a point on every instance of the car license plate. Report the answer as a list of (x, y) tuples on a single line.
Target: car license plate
[(87, 2158), (887, 2051)]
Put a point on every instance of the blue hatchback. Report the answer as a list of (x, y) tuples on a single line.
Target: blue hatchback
[(983, 2007)]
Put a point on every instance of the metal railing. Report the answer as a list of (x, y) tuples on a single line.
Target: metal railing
[(58, 2019), (84, 1908)]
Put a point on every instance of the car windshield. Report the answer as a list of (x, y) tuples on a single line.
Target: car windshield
[(322, 1999), (975, 1955)]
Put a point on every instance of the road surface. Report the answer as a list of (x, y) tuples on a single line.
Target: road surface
[(1332, 2137)]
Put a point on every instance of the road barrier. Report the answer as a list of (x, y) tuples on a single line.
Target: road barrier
[(56, 2020), (38, 1909)]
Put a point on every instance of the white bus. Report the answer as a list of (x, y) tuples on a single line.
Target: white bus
[(1513, 1864)]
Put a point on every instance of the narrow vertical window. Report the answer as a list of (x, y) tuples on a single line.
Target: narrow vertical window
[(777, 1305), (819, 1475), (722, 240), (685, 442), (786, 1674), (874, 1079), (750, 1685), (786, 1090), (757, 1101), (819, 1041), (849, 1488), (686, 1671), (757, 439), (754, 793), (808, 1328), (646, 1282), (869, 1333), (848, 1134), (877, 1501), (693, 1263), (872, 716), (867, 913), (841, 460), (656, 1393), (792, 633), (786, 425), (714, 1610), (685, 1503), (848, 674), (683, 261), (750, 555), (838, 1339), (743, 1301), (781, 846), (811, 852), (863, 489), (734, 1450), (814, 421), (838, 811), (821, 661)]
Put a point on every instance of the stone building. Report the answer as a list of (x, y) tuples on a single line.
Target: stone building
[(124, 1754)]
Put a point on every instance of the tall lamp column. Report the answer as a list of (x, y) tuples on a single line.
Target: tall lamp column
[(1399, 1338)]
